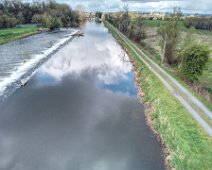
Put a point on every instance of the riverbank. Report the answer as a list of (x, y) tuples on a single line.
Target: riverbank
[(188, 146), (12, 34)]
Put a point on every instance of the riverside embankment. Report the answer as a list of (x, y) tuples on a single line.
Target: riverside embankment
[(187, 143)]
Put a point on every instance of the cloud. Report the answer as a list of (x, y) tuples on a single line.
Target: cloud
[(187, 6), (191, 6)]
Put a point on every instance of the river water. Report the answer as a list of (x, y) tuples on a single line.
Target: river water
[(19, 59), (79, 111)]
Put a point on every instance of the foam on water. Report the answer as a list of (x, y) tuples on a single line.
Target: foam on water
[(17, 74)]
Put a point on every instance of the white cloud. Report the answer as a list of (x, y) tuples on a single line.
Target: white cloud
[(193, 6), (188, 6)]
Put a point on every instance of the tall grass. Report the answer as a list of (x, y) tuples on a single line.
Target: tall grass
[(7, 35)]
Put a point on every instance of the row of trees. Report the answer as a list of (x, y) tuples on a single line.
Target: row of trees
[(134, 29), (199, 23), (47, 13)]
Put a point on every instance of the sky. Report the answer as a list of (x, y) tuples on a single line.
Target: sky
[(187, 6)]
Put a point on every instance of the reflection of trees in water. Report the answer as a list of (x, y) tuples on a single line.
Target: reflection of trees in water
[(124, 57), (64, 65)]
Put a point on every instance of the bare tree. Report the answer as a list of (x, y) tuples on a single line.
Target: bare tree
[(170, 37), (125, 20)]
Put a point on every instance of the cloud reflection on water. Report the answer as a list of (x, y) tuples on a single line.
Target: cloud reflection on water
[(106, 59)]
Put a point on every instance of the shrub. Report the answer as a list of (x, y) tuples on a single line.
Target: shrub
[(55, 23), (194, 59)]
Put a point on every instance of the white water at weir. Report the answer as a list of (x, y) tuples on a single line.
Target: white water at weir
[(12, 71)]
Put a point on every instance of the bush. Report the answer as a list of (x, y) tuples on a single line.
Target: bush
[(48, 21), (194, 59)]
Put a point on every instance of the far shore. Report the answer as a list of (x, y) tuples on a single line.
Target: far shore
[(12, 34)]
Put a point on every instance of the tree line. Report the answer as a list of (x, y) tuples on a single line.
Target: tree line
[(49, 14), (204, 23)]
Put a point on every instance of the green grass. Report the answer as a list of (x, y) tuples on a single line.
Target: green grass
[(11, 34), (157, 23), (190, 146)]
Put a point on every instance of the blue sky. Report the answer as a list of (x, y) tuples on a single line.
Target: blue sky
[(189, 6)]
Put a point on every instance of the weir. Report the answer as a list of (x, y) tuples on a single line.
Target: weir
[(22, 68)]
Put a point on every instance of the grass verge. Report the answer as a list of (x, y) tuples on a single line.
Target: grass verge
[(188, 144), (11, 34)]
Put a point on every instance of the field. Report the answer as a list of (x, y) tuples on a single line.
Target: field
[(153, 45), (156, 23), (7, 35)]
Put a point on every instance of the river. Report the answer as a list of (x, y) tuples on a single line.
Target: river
[(79, 111)]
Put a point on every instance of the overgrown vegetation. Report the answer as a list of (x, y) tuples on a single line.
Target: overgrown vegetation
[(188, 144), (48, 14), (133, 29), (170, 33)]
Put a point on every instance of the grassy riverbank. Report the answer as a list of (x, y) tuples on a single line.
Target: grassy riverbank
[(11, 34), (188, 144)]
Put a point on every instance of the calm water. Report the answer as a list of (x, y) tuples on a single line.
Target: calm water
[(79, 112)]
